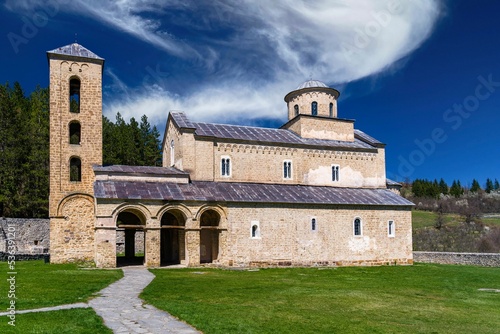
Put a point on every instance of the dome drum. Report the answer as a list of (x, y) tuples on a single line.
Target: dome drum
[(312, 98)]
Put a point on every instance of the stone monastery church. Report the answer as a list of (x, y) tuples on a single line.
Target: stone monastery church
[(311, 193)]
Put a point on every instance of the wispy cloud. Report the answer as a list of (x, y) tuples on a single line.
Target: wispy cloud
[(248, 54)]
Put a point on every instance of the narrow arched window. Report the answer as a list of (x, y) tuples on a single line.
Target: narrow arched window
[(74, 95), (74, 133), (225, 166), (331, 110), (172, 153), (391, 228), (287, 169), (296, 109), (75, 170), (313, 224), (357, 227), (335, 173), (314, 108), (255, 230)]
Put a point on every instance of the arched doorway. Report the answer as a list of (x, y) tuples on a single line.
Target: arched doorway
[(172, 244), (209, 236), (130, 239)]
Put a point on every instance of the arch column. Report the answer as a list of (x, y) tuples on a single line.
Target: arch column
[(152, 247), (105, 242), (193, 244)]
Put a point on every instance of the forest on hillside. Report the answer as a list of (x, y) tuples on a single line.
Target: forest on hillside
[(24, 149), (457, 218)]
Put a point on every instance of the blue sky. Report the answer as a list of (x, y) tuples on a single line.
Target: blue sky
[(421, 76)]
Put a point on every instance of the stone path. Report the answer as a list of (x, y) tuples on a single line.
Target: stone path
[(123, 311), (47, 309)]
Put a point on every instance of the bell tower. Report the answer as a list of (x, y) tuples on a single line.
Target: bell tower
[(75, 146)]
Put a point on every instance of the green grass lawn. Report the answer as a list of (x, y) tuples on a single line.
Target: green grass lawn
[(422, 298), (75, 321), (42, 285)]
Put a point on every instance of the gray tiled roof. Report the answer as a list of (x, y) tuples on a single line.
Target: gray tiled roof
[(311, 83), (266, 135), (390, 182), (139, 170), (366, 138), (181, 120), (76, 50), (245, 193)]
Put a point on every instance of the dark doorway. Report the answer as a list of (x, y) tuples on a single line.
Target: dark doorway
[(172, 238), (209, 236), (130, 239)]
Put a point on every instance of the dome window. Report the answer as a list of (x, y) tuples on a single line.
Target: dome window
[(314, 108)]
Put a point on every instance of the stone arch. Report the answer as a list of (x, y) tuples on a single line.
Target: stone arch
[(173, 219), (180, 207), (141, 210), (130, 221), (212, 220), (78, 211), (82, 196), (217, 208)]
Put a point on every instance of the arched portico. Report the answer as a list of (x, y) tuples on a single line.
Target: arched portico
[(209, 235), (173, 237), (130, 236)]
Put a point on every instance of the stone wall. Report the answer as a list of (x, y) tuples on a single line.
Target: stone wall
[(31, 236), (476, 259), (285, 234)]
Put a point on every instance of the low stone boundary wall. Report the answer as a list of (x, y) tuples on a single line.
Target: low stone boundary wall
[(475, 259), (30, 236), (24, 257)]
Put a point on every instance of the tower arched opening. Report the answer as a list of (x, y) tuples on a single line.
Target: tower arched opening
[(74, 95)]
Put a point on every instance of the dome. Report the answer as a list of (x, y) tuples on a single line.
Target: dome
[(312, 83)]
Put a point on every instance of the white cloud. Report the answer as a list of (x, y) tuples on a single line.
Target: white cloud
[(269, 48)]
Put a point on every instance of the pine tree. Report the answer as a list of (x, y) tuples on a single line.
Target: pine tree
[(443, 187), (489, 186), (151, 139), (475, 186), (496, 185), (456, 189)]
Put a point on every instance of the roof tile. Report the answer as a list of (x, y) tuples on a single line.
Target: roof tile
[(246, 192)]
